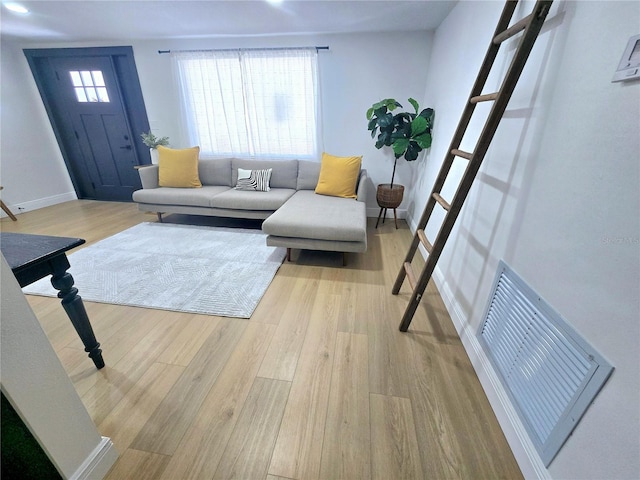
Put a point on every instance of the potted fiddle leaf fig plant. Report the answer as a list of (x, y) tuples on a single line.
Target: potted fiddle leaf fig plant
[(151, 141), (407, 133)]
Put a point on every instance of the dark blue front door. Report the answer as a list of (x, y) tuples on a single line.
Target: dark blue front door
[(92, 120)]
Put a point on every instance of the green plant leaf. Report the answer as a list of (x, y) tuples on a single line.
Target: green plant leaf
[(407, 133), (398, 134), (379, 112), (413, 149), (392, 104), (415, 104), (384, 138), (151, 141), (428, 114), (404, 117), (424, 140), (418, 126), (400, 145), (387, 103), (385, 120), (402, 123)]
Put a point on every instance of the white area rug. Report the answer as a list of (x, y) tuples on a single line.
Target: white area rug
[(185, 268)]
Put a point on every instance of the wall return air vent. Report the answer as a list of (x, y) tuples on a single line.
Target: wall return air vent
[(549, 371)]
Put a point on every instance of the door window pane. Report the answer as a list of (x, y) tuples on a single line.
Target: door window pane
[(87, 81), (80, 95), (84, 83), (98, 80), (103, 96), (75, 79), (91, 94)]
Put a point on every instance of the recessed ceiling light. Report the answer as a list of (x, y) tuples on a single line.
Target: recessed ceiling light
[(16, 8)]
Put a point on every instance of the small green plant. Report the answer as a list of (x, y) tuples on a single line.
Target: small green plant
[(405, 132), (151, 141)]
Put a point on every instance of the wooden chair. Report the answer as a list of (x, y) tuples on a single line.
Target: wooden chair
[(6, 209)]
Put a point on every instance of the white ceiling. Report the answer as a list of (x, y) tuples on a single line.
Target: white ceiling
[(52, 20)]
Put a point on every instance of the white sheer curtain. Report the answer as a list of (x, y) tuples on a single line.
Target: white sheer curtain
[(251, 103)]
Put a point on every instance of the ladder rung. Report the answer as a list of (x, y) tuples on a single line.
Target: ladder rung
[(513, 30), (423, 239), (484, 98), (411, 277), (460, 153), (442, 201)]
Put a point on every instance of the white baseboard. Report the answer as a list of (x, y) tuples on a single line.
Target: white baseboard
[(18, 208), (98, 463), (517, 437), (523, 449)]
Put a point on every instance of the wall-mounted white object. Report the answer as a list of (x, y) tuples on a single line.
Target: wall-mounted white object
[(549, 371), (629, 66)]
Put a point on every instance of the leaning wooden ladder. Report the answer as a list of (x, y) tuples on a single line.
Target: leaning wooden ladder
[(531, 26)]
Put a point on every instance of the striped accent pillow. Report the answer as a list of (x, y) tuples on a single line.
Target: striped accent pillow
[(254, 180)]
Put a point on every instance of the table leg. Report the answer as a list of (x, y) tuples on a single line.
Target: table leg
[(72, 303)]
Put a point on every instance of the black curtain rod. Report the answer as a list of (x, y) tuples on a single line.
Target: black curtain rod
[(239, 49)]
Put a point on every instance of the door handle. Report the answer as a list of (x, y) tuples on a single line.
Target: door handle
[(126, 147)]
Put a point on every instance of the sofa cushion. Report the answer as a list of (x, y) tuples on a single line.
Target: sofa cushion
[(320, 217), (215, 171), (178, 167), (252, 200), (198, 197), (284, 175), (308, 174), (339, 176)]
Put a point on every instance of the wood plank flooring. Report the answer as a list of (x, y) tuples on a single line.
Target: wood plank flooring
[(318, 384)]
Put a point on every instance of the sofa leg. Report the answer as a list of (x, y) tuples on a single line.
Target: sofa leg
[(344, 259), (159, 216), (288, 254)]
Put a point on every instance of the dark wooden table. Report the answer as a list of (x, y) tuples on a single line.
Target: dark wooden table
[(32, 257)]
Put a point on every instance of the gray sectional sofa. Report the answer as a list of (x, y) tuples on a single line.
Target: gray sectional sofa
[(294, 215)]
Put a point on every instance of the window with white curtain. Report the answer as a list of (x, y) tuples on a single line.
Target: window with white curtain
[(250, 103)]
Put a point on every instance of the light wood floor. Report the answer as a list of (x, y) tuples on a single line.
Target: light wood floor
[(319, 383)]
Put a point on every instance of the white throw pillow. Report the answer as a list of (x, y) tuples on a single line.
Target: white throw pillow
[(254, 180)]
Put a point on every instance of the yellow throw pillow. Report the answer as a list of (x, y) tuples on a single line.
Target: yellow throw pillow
[(178, 168), (338, 176)]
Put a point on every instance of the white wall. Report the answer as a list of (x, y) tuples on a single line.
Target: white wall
[(32, 170), (37, 386), (357, 71), (557, 199)]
